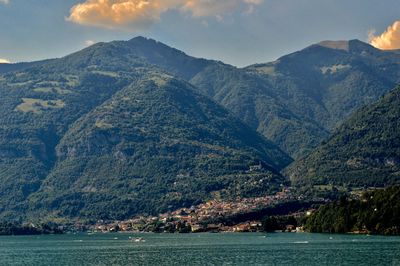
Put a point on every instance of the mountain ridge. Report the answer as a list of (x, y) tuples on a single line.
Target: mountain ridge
[(294, 102)]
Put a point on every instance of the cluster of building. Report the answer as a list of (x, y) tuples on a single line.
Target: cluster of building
[(199, 218)]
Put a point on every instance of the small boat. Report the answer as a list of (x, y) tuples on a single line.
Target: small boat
[(300, 242), (138, 239)]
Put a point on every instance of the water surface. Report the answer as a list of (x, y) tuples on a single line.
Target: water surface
[(200, 249)]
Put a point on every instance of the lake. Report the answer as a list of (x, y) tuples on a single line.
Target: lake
[(200, 249)]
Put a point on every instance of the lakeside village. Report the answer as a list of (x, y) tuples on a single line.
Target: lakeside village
[(258, 214), (241, 215), (282, 212), (212, 216)]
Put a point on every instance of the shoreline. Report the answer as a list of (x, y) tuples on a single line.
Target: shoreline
[(192, 233)]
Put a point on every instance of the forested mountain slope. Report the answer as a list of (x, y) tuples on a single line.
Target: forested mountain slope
[(364, 151), (42, 103), (68, 131), (156, 146), (298, 100)]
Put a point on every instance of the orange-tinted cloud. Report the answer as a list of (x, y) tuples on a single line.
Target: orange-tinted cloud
[(388, 40), (111, 14), (142, 13), (4, 61)]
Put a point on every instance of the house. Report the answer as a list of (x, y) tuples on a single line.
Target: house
[(245, 227), (197, 228), (290, 228), (256, 168)]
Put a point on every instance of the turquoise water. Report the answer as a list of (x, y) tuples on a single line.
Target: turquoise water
[(200, 249)]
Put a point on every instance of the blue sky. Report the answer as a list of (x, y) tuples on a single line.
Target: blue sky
[(239, 32)]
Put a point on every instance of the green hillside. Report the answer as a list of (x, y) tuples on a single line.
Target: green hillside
[(155, 146), (253, 98), (127, 55), (67, 130), (42, 103), (298, 100), (37, 106), (377, 212), (364, 151)]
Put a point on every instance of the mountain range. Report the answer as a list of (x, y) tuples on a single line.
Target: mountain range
[(137, 127)]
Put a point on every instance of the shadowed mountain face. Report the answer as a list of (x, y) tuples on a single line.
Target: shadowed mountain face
[(364, 151), (104, 133)]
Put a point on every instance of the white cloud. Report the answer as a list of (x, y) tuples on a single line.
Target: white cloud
[(4, 61), (5, 1), (388, 40), (89, 42), (139, 14)]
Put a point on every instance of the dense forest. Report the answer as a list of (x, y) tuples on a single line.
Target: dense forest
[(13, 228), (364, 151), (378, 212), (154, 147)]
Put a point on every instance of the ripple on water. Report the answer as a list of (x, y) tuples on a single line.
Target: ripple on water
[(200, 249)]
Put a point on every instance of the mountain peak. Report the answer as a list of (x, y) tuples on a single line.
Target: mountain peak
[(337, 45), (352, 46), (141, 39)]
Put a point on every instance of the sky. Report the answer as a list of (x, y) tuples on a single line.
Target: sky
[(238, 32)]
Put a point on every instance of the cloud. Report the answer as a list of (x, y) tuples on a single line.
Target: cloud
[(4, 61), (388, 40), (89, 42), (139, 14), (206, 8), (254, 2), (5, 1), (111, 14)]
